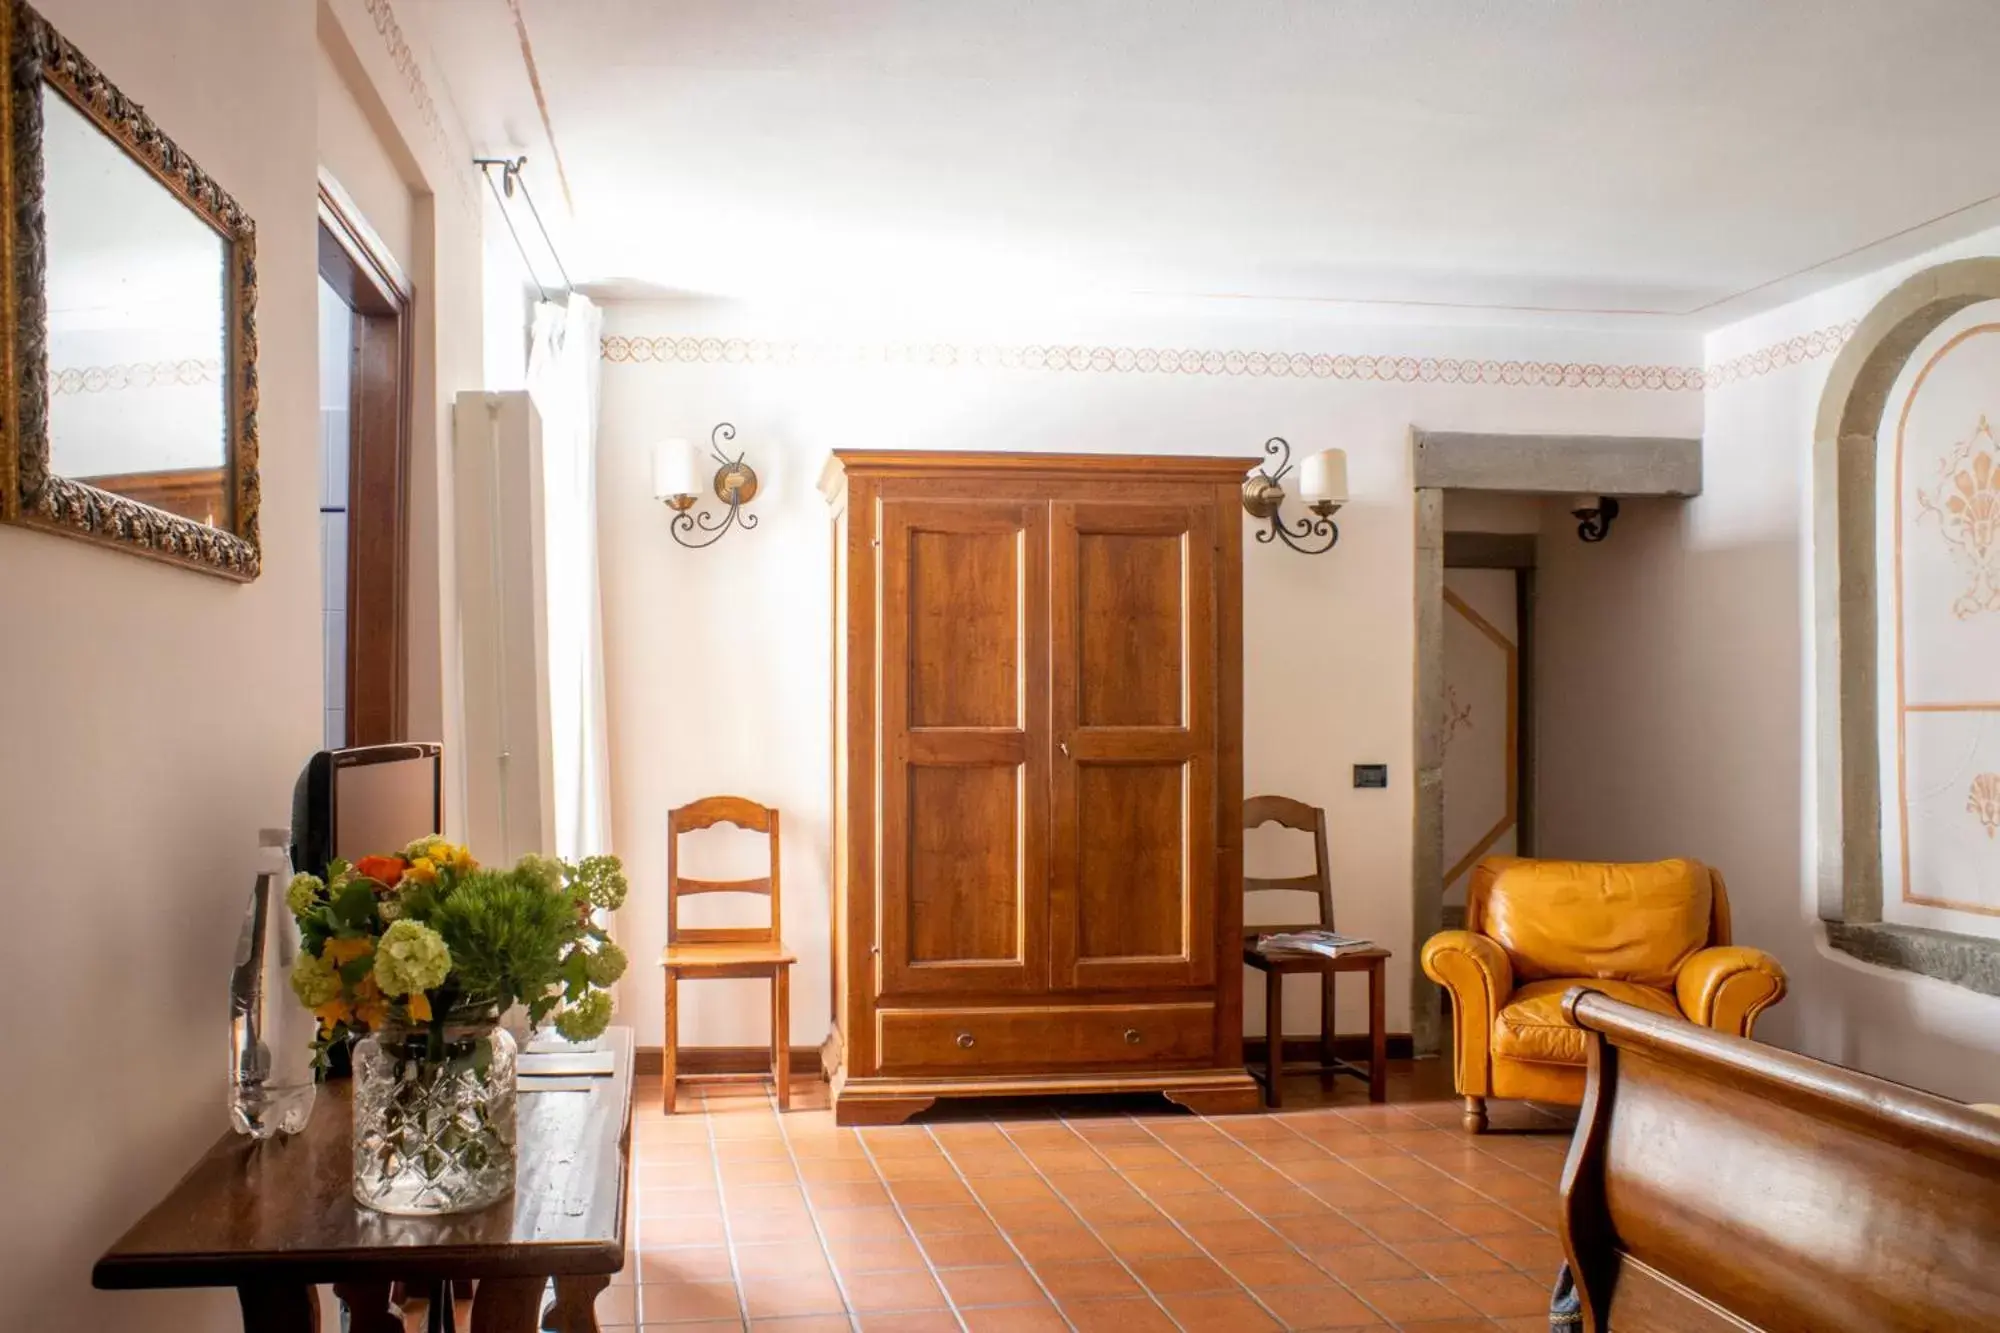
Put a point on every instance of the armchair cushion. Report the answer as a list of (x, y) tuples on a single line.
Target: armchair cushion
[(1726, 988), (1638, 923), (1531, 1026)]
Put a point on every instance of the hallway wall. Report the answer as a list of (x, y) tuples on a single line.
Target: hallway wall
[(717, 660), (154, 720)]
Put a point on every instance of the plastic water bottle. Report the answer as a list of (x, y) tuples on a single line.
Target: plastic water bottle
[(270, 1032)]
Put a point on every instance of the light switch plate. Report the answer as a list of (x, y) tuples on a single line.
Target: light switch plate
[(1371, 775)]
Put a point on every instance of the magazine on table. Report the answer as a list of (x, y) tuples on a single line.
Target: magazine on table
[(1330, 943)]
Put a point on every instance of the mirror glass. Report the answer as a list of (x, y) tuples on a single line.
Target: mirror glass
[(138, 320)]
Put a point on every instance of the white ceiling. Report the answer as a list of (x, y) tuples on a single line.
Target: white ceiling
[(1691, 161)]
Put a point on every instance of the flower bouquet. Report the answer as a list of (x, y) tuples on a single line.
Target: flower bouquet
[(415, 957)]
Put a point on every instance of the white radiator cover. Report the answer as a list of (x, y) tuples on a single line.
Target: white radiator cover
[(503, 626)]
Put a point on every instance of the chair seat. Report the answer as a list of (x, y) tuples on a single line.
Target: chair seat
[(1531, 1026), (749, 953)]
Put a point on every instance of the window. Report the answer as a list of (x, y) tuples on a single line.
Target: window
[(1938, 672)]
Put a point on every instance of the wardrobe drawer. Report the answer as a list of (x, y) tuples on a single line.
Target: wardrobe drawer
[(1054, 1037)]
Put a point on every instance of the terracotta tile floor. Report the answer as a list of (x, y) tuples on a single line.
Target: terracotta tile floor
[(994, 1218)]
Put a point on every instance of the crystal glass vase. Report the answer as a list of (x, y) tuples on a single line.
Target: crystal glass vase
[(434, 1116)]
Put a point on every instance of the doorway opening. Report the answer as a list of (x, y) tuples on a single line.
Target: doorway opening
[(365, 371), (1488, 744)]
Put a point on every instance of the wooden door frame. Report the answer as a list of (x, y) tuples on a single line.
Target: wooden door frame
[(358, 266)]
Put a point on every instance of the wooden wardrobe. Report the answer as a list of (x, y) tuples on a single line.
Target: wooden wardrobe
[(1037, 779)]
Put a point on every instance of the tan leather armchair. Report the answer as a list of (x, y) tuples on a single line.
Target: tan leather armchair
[(1654, 934)]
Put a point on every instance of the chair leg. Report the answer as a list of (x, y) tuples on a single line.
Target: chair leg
[(669, 1045), (1475, 1115), (781, 1034), (1378, 1036), (1274, 1037), (1326, 1011)]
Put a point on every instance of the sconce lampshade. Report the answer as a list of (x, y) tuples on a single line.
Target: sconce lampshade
[(1323, 477), (676, 469)]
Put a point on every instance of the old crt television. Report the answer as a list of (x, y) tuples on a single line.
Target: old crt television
[(369, 800)]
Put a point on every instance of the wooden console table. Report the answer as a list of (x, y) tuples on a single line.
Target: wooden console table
[(275, 1219)]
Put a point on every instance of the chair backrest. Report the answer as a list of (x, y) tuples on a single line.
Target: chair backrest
[(1305, 818), (1617, 921), (705, 813)]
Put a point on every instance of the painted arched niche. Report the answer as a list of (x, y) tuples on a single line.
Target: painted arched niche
[(1847, 563)]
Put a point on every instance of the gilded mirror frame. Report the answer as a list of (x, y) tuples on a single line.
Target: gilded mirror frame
[(39, 61)]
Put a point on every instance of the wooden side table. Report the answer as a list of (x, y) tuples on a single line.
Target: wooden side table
[(275, 1219), (1276, 967)]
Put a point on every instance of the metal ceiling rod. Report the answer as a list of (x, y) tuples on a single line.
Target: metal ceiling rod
[(510, 180)]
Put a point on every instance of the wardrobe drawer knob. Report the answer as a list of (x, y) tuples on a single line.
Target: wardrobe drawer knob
[(965, 1041), (1131, 1036)]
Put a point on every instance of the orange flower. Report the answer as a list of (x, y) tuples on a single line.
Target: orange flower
[(341, 952), (332, 1014), (419, 1005), (386, 870), (370, 1005)]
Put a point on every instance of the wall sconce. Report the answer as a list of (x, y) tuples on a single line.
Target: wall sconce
[(677, 481), (1322, 485), (1593, 514)]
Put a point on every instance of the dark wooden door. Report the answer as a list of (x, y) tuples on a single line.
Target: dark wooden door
[(1133, 715), (965, 745)]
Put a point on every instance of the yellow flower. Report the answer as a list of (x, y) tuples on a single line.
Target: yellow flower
[(423, 870), (460, 859)]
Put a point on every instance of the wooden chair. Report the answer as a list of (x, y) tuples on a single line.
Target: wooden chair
[(1311, 819), (709, 953)]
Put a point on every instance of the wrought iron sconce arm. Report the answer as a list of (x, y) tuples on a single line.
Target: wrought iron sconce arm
[(735, 485), (1264, 496), (1594, 520)]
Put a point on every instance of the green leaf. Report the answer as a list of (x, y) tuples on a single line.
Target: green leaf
[(353, 972), (354, 906)]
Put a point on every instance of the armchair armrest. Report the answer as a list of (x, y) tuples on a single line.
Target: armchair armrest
[(1480, 978), (1726, 988)]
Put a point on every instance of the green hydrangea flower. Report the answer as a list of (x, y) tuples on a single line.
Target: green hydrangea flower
[(543, 870), (302, 894), (587, 1018), (315, 981), (600, 881), (411, 957), (606, 965)]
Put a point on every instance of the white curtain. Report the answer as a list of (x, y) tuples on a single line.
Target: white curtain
[(562, 381)]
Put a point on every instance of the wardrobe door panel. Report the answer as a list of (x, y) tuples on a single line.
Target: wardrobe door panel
[(964, 734), (1133, 875)]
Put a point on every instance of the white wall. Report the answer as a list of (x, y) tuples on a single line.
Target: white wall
[(388, 111), (154, 719), (717, 660), (1677, 658), (1759, 446)]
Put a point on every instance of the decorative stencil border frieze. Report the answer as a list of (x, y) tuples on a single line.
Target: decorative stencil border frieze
[(671, 349), (133, 375), (403, 56), (688, 350), (1780, 355)]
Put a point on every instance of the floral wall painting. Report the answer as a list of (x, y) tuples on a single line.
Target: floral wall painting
[(1939, 665), (1983, 802), (1965, 508), (1456, 715)]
